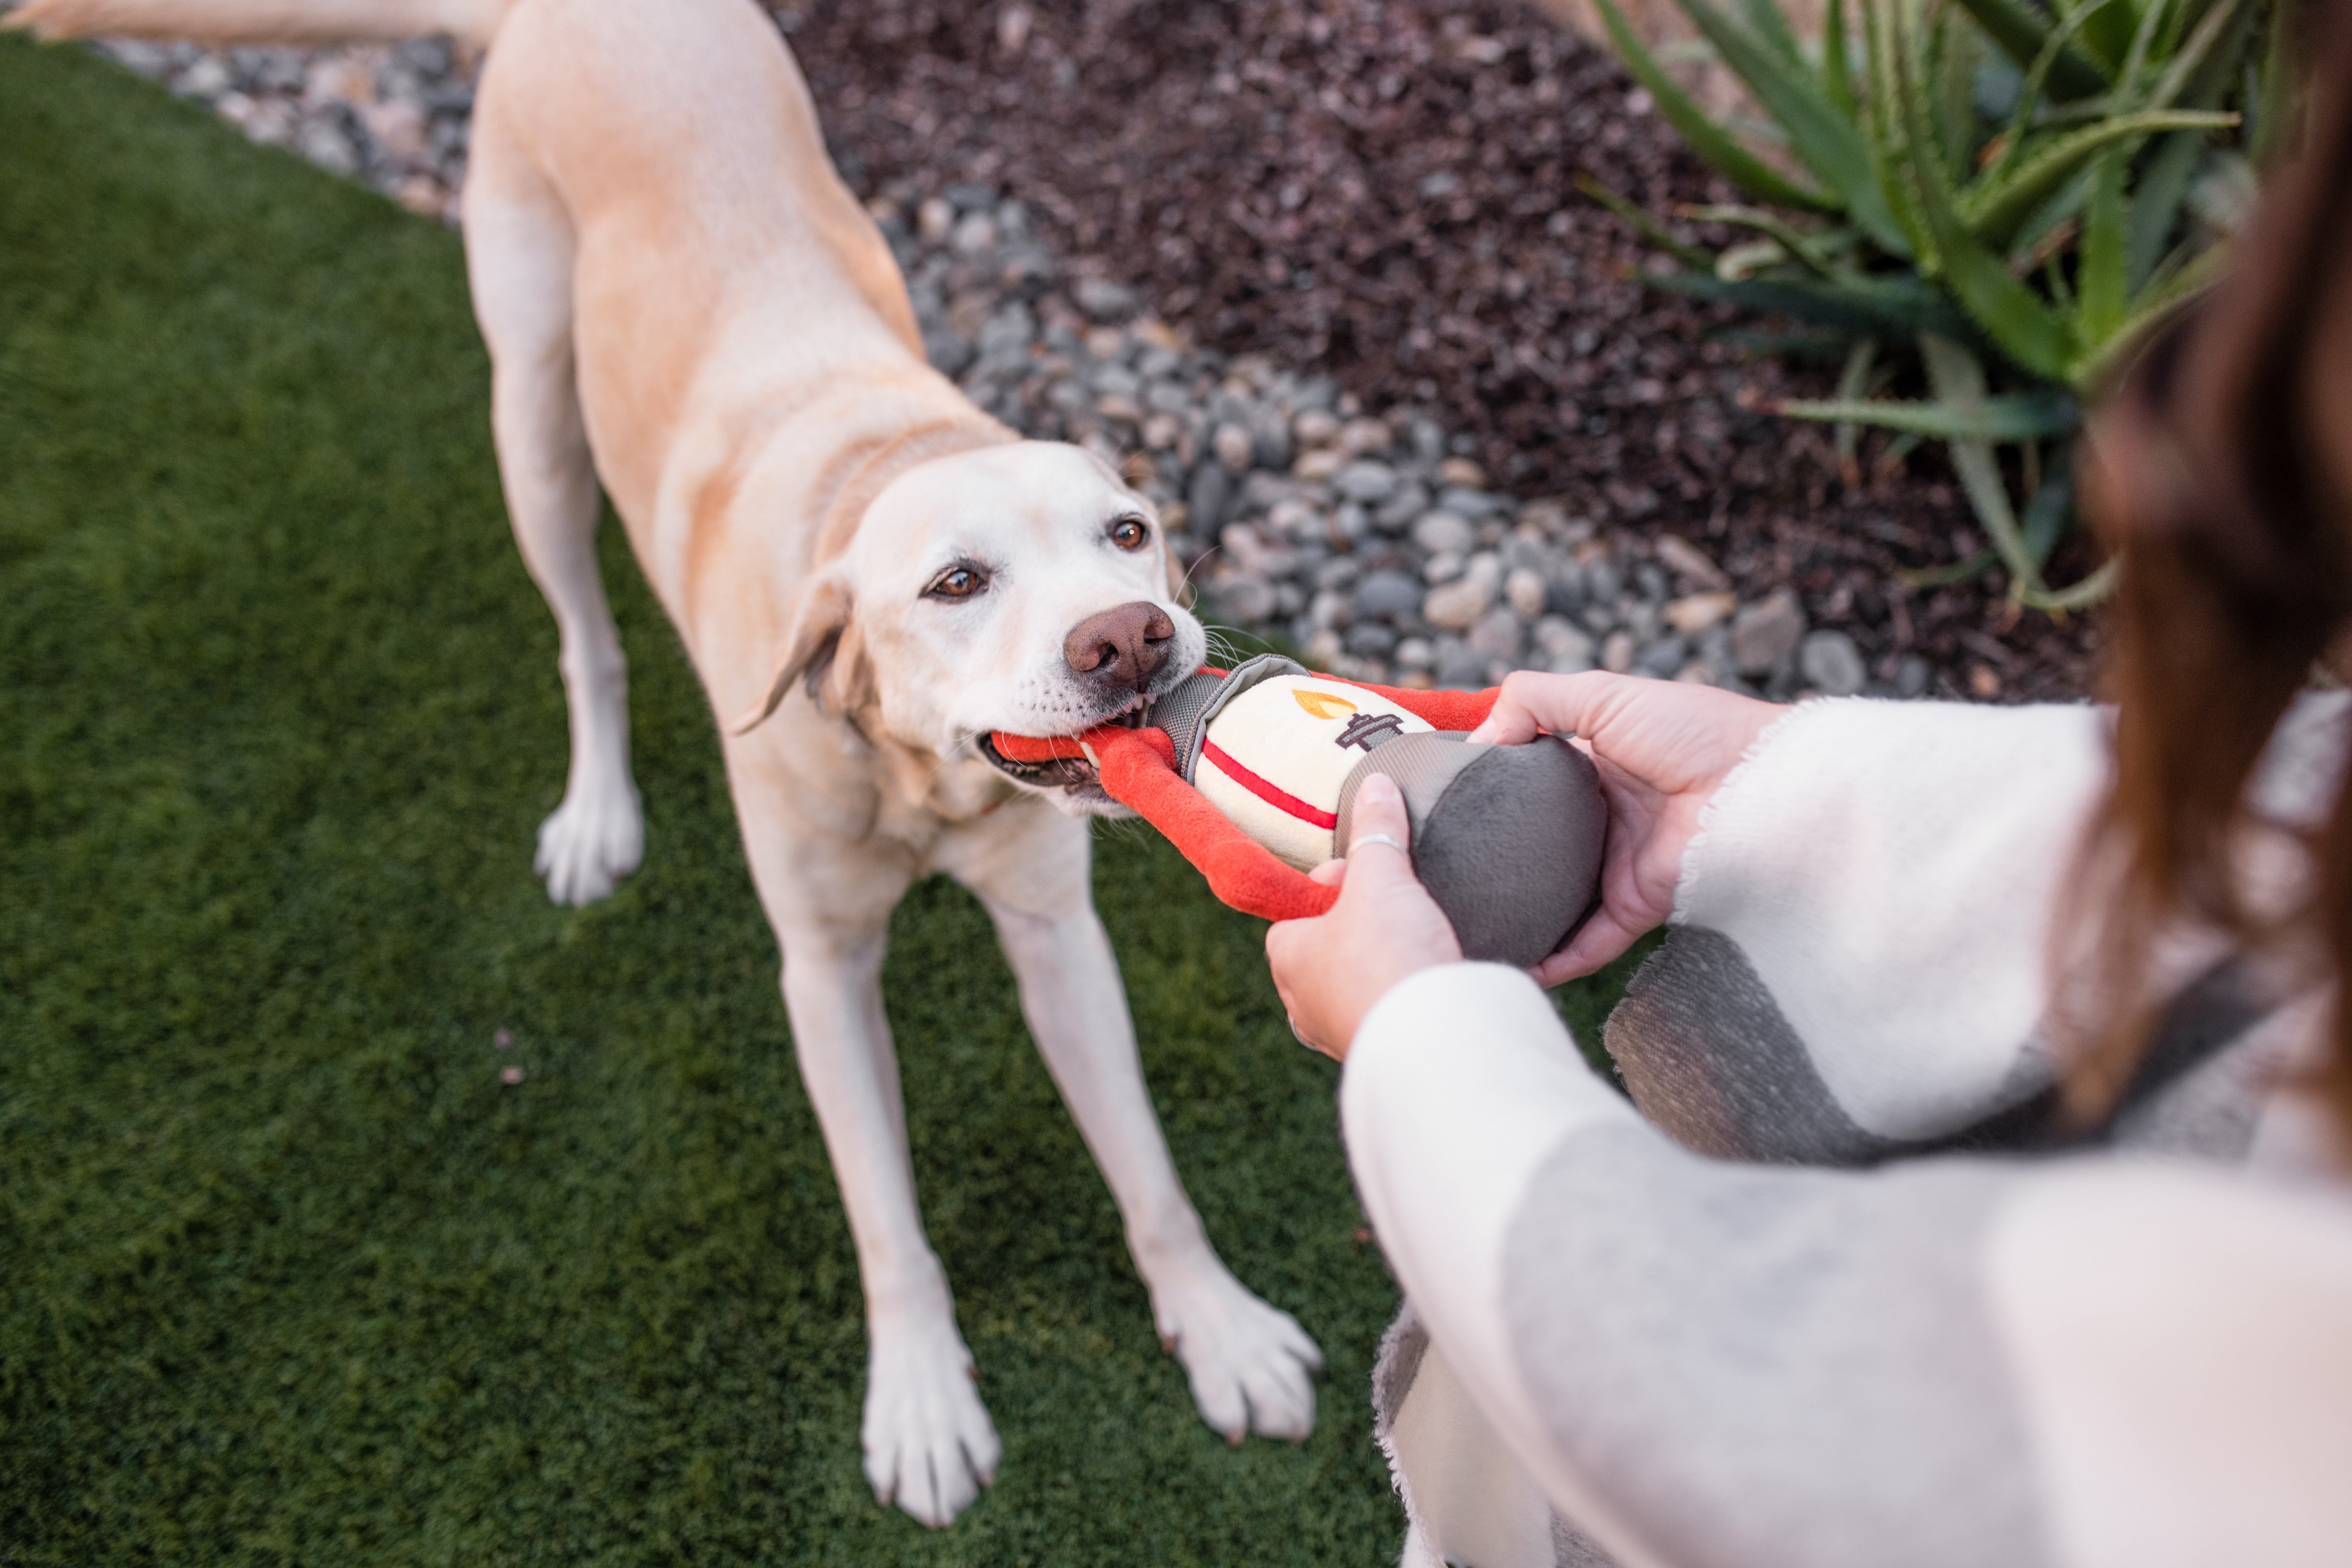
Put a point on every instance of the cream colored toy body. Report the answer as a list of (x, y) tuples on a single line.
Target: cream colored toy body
[(1274, 759), (1508, 839)]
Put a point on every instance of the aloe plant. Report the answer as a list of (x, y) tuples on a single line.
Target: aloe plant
[(2010, 190)]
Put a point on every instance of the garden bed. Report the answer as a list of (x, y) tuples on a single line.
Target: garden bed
[(1381, 191)]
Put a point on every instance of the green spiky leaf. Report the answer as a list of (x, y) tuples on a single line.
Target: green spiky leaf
[(1996, 207), (1656, 233), (1853, 382), (1767, 22), (2165, 296), (2028, 331), (2031, 89), (1975, 566), (2152, 16), (2104, 277), (2019, 416), (1958, 380), (2211, 58), (1707, 139), (1894, 304), (1893, 157), (1837, 70), (1826, 141), (2280, 93), (1804, 248), (2021, 30), (2196, 78), (2155, 206), (2106, 38), (2083, 594), (1953, 48), (2046, 514)]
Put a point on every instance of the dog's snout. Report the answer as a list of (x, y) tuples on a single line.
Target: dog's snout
[(1122, 648)]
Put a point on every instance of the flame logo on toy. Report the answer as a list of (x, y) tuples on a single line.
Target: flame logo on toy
[(1322, 704)]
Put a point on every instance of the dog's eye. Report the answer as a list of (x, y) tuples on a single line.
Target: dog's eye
[(1129, 533), (959, 582)]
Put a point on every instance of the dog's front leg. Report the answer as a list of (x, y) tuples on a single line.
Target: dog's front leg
[(1250, 1364), (929, 1444)]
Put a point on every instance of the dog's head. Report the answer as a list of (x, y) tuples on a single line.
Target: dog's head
[(1021, 587)]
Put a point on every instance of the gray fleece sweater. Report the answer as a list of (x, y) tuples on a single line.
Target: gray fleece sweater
[(1845, 1292)]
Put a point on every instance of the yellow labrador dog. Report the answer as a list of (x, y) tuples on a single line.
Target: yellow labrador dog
[(682, 299)]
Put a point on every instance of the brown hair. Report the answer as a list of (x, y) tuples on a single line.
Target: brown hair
[(2222, 469)]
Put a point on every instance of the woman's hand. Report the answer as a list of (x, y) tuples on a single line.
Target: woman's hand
[(1332, 969), (1662, 747)]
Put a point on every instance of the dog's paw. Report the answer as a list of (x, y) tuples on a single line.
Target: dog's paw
[(593, 839), (930, 1445), (1251, 1365)]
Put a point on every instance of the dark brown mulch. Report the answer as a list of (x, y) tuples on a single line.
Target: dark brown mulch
[(1381, 190)]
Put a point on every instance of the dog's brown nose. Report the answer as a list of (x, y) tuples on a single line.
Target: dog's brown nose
[(1122, 648)]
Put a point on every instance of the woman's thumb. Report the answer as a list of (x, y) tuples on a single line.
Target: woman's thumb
[(1379, 824)]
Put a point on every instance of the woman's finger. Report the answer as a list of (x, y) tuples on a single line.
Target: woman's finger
[(1507, 723), (1512, 721), (1381, 844), (1283, 942), (1291, 951), (1531, 704), (1384, 926), (1600, 941)]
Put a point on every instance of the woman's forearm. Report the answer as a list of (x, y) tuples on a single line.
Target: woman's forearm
[(1702, 1361)]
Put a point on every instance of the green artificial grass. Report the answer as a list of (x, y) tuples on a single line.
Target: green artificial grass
[(287, 1275)]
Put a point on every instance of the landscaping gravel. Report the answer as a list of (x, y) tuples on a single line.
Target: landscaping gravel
[(1375, 537), (393, 116)]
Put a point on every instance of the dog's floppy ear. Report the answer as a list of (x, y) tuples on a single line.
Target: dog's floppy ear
[(823, 650)]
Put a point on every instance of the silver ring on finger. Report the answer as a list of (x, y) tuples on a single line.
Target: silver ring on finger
[(1364, 838)]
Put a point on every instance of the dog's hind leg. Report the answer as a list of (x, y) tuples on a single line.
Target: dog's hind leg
[(518, 255)]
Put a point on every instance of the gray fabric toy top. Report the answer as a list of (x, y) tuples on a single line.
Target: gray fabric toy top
[(1508, 839)]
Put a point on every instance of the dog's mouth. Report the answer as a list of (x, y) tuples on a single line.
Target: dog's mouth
[(1074, 774), (1062, 773)]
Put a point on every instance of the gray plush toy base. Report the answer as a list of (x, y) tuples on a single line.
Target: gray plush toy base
[(1506, 838)]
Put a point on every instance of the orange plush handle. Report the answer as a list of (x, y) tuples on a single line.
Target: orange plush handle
[(1242, 872), (1439, 709), (1137, 769)]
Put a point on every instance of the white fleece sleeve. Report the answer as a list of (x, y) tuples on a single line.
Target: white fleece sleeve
[(1890, 871), (1460, 1082), (2178, 1338)]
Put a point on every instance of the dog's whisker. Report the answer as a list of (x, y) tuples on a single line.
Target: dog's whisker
[(956, 753), (1186, 581), (1219, 644)]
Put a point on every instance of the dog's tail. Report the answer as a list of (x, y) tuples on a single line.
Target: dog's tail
[(260, 21)]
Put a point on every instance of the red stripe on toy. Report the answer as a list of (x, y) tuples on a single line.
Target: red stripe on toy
[(1273, 794)]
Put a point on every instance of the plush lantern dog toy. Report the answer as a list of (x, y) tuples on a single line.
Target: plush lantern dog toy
[(1252, 774)]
